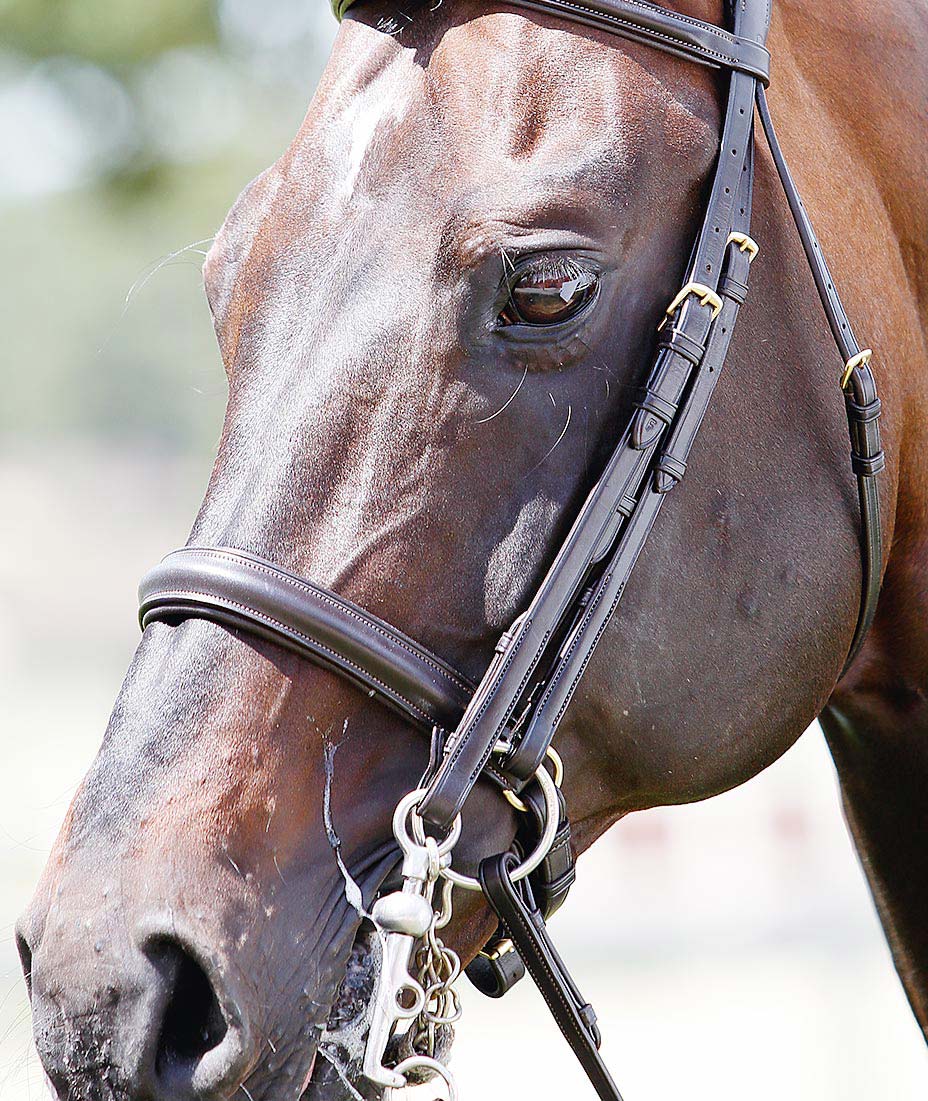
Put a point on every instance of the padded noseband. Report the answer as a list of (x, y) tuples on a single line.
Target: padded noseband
[(243, 591)]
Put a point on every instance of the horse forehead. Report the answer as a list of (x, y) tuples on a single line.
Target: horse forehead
[(437, 126), (497, 93)]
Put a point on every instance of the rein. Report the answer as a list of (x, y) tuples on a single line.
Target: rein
[(502, 728)]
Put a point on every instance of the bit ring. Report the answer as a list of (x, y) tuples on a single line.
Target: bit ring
[(423, 1062), (552, 815)]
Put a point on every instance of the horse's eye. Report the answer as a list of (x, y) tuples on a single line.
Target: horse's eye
[(548, 295)]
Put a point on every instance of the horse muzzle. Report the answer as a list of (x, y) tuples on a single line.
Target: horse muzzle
[(153, 1016)]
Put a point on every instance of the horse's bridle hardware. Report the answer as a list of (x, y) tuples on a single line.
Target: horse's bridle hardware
[(404, 920), (549, 789), (861, 359), (706, 296), (745, 243), (501, 729), (502, 948), (557, 763)]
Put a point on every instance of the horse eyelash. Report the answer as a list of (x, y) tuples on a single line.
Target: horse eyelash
[(554, 267)]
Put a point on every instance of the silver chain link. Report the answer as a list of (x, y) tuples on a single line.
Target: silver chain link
[(437, 970)]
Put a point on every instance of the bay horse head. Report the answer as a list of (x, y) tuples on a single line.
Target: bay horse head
[(434, 311)]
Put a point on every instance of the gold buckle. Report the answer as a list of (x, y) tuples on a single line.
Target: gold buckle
[(555, 758), (503, 949), (706, 296), (860, 360), (745, 243)]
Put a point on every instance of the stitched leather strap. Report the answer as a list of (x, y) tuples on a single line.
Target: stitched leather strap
[(861, 401), (242, 590), (657, 26), (553, 878), (668, 469), (546, 651), (497, 969), (526, 926)]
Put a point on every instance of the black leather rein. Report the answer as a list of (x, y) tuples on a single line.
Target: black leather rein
[(503, 727)]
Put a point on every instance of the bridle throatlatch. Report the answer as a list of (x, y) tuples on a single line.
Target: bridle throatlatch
[(502, 728)]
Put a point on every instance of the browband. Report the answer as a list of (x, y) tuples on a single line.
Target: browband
[(674, 33), (241, 590)]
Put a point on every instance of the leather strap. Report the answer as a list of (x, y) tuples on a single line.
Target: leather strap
[(525, 924), (497, 968), (861, 401), (241, 590), (553, 878), (657, 26), (667, 471), (671, 32), (546, 651)]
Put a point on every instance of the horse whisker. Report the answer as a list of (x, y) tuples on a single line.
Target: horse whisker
[(553, 446), (340, 1071), (509, 400), (352, 891)]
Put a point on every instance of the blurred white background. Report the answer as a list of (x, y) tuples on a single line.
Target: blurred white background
[(731, 948)]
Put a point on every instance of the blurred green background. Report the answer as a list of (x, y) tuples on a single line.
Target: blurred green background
[(126, 131)]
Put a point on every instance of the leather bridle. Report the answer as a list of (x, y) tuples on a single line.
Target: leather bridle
[(503, 727)]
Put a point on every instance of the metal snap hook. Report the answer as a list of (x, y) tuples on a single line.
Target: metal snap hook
[(406, 811)]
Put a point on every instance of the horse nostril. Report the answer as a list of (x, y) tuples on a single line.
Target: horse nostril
[(25, 959), (193, 1021), (199, 1051)]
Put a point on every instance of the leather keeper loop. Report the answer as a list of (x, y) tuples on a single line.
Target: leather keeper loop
[(627, 505), (733, 288), (868, 467), (495, 973), (677, 341), (864, 414), (669, 464), (588, 1013), (657, 405)]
